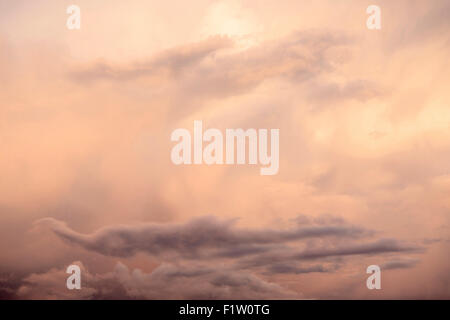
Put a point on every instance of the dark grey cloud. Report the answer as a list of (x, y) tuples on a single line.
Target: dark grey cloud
[(329, 254), (401, 263), (8, 286), (202, 237), (209, 258), (290, 268), (309, 246), (375, 247)]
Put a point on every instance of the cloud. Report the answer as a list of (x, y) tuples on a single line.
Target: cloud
[(87, 140), (289, 268), (210, 259), (52, 285), (399, 264), (375, 247), (8, 287), (213, 241), (323, 93), (205, 69), (423, 23), (286, 261), (167, 281), (170, 62), (201, 237)]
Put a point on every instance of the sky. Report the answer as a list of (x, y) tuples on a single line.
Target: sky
[(86, 175)]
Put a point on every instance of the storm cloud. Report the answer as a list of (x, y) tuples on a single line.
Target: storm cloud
[(208, 239)]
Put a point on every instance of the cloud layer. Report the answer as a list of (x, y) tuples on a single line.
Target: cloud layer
[(85, 123)]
